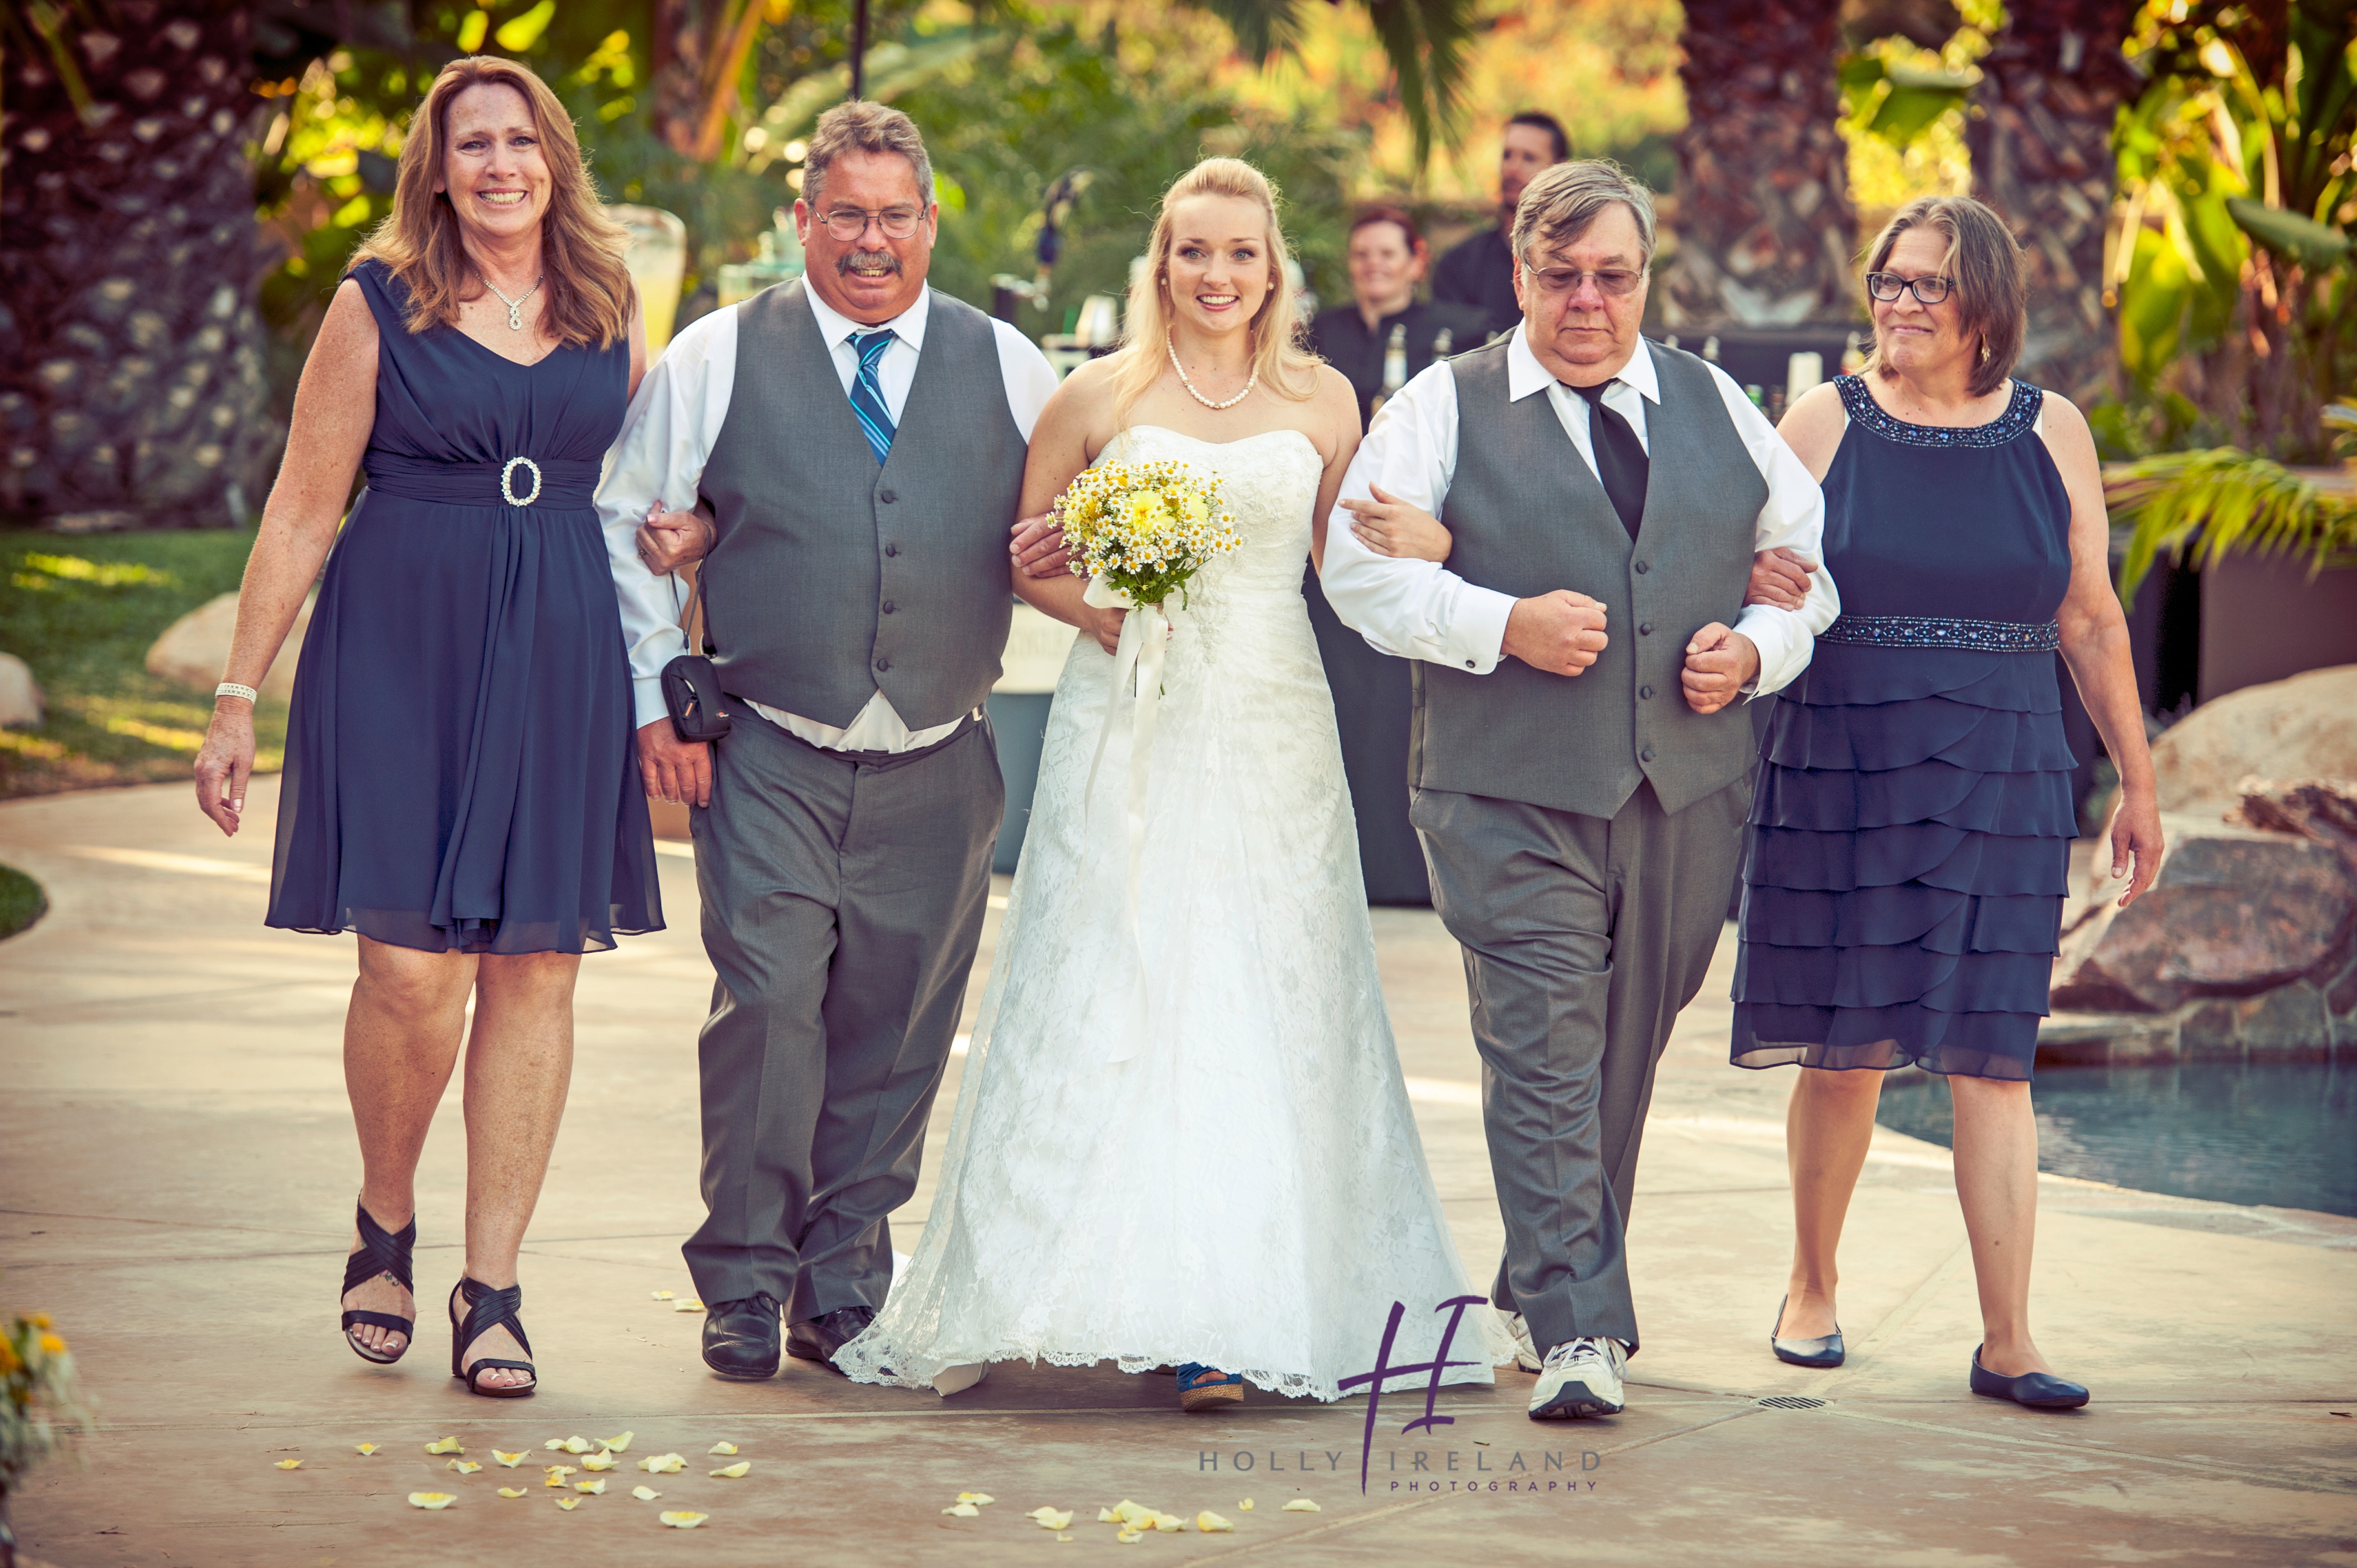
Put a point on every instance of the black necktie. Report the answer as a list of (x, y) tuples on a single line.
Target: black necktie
[(1619, 458)]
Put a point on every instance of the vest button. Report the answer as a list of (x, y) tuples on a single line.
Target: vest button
[(886, 497), (1643, 568), (1644, 628), (891, 550), (1646, 692), (889, 606), (883, 664), (1646, 755)]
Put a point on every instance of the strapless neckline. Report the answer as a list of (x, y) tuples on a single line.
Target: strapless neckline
[(1239, 441)]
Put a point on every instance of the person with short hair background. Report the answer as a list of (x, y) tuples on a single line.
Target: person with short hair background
[(1479, 271)]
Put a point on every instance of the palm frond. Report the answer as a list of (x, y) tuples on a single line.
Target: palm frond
[(2200, 506), (1425, 42)]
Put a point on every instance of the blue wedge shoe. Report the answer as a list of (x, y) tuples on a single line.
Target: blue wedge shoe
[(1203, 1388)]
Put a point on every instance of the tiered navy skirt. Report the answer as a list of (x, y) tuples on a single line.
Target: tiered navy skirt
[(1910, 853)]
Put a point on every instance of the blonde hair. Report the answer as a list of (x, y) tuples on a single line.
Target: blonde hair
[(1992, 292), (864, 128), (586, 287), (1280, 361)]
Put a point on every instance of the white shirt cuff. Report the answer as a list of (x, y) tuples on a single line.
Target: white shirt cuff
[(1477, 628), (648, 698), (1773, 632)]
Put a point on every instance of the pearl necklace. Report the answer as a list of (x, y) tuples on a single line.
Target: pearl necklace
[(515, 306), (1198, 396)]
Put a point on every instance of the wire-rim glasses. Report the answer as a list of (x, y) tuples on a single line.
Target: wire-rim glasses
[(1616, 283), (848, 223), (1887, 286)]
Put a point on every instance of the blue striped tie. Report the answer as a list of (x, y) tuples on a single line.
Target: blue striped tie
[(867, 394)]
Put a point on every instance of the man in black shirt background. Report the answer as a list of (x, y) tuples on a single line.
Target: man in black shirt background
[(1479, 271)]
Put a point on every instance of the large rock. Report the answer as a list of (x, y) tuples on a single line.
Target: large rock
[(2305, 727), (2234, 912), (194, 648), (2324, 809), (20, 694)]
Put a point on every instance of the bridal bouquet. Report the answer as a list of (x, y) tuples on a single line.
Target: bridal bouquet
[(1143, 530)]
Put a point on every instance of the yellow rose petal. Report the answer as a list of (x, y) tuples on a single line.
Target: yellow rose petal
[(645, 1494), (445, 1445), (602, 1461), (1168, 1523), (1106, 1515), (683, 1520), (1302, 1504), (734, 1471), (687, 1303), (976, 1497), (595, 1489), (363, 1449), (290, 1464), (577, 1446), (432, 1500), (464, 1466), (663, 1464), (568, 1503), (1064, 1537), (1245, 1507), (511, 1491), (962, 1510), (664, 1295), (1211, 1523), (722, 1448), (511, 1460), (619, 1444), (1050, 1519), (1130, 1536)]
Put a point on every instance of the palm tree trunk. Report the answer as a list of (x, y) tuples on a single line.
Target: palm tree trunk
[(2051, 86), (132, 387), (1765, 227)]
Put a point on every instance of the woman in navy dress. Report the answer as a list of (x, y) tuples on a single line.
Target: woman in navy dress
[(1903, 899), (460, 787)]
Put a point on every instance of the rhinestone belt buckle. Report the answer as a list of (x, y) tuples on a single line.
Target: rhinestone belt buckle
[(507, 485)]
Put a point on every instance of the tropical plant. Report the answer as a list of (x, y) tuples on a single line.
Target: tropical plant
[(2200, 505), (1427, 43)]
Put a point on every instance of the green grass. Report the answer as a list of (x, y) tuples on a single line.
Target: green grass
[(22, 902), (82, 609)]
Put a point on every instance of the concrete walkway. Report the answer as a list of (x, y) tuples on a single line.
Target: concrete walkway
[(176, 1167)]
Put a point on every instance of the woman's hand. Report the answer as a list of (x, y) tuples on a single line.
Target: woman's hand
[(1780, 579), (2136, 841), (1103, 625), (224, 764), (1038, 547), (670, 540), (1389, 526)]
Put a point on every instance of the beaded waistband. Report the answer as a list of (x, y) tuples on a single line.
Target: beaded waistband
[(1939, 631)]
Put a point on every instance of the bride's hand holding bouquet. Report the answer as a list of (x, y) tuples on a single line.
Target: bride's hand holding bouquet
[(1139, 533)]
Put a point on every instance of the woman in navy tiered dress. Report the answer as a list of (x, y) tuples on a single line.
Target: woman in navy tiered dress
[(1914, 819), (461, 787)]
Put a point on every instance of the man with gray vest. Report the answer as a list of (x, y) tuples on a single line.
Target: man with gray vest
[(857, 441), (1579, 777)]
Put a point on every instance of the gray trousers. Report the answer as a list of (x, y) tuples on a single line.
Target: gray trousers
[(1583, 937), (843, 902)]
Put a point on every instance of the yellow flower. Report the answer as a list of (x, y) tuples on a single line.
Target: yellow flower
[(39, 1320), (53, 1345)]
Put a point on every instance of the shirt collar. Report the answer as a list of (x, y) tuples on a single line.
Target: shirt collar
[(834, 326), (1525, 375)]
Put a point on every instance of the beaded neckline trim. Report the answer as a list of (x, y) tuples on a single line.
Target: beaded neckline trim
[(1939, 631), (2020, 415)]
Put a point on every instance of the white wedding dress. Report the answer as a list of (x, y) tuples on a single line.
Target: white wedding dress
[(1239, 1183)]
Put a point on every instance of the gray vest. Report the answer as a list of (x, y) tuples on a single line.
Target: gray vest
[(1529, 516), (832, 579)]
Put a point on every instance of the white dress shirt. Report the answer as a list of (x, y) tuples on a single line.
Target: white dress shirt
[(1420, 609), (667, 437)]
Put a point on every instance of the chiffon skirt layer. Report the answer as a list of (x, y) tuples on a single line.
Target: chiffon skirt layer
[(460, 771), (1910, 852)]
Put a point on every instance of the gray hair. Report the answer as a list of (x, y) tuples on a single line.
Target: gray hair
[(864, 128), (1561, 203)]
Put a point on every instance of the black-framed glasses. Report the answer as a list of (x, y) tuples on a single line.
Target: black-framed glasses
[(850, 222), (1887, 286), (1617, 282)]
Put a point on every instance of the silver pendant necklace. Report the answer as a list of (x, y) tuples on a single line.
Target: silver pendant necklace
[(515, 306), (1198, 396)]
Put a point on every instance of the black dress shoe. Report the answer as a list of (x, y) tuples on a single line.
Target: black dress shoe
[(1823, 1352), (2038, 1391), (740, 1338), (818, 1338)]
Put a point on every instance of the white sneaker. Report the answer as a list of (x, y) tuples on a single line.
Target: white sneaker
[(1526, 1355), (1578, 1377)]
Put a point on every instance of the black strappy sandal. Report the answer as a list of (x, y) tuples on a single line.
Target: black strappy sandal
[(381, 1252), (487, 1310)]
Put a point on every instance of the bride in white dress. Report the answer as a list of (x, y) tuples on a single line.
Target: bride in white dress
[(1234, 1185)]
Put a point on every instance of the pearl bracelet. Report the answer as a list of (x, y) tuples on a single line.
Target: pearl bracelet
[(231, 689)]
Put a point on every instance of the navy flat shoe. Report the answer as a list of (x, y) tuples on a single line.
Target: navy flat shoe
[(1820, 1353), (2038, 1391)]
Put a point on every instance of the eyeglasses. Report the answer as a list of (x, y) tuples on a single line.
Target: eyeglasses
[(851, 222), (1887, 286), (1615, 281)]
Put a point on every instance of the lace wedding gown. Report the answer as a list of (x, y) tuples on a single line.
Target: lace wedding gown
[(1241, 1182)]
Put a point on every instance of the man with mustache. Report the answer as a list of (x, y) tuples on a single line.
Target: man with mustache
[(853, 444)]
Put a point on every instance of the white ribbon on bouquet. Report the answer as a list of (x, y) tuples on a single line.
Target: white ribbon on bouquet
[(1137, 664)]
